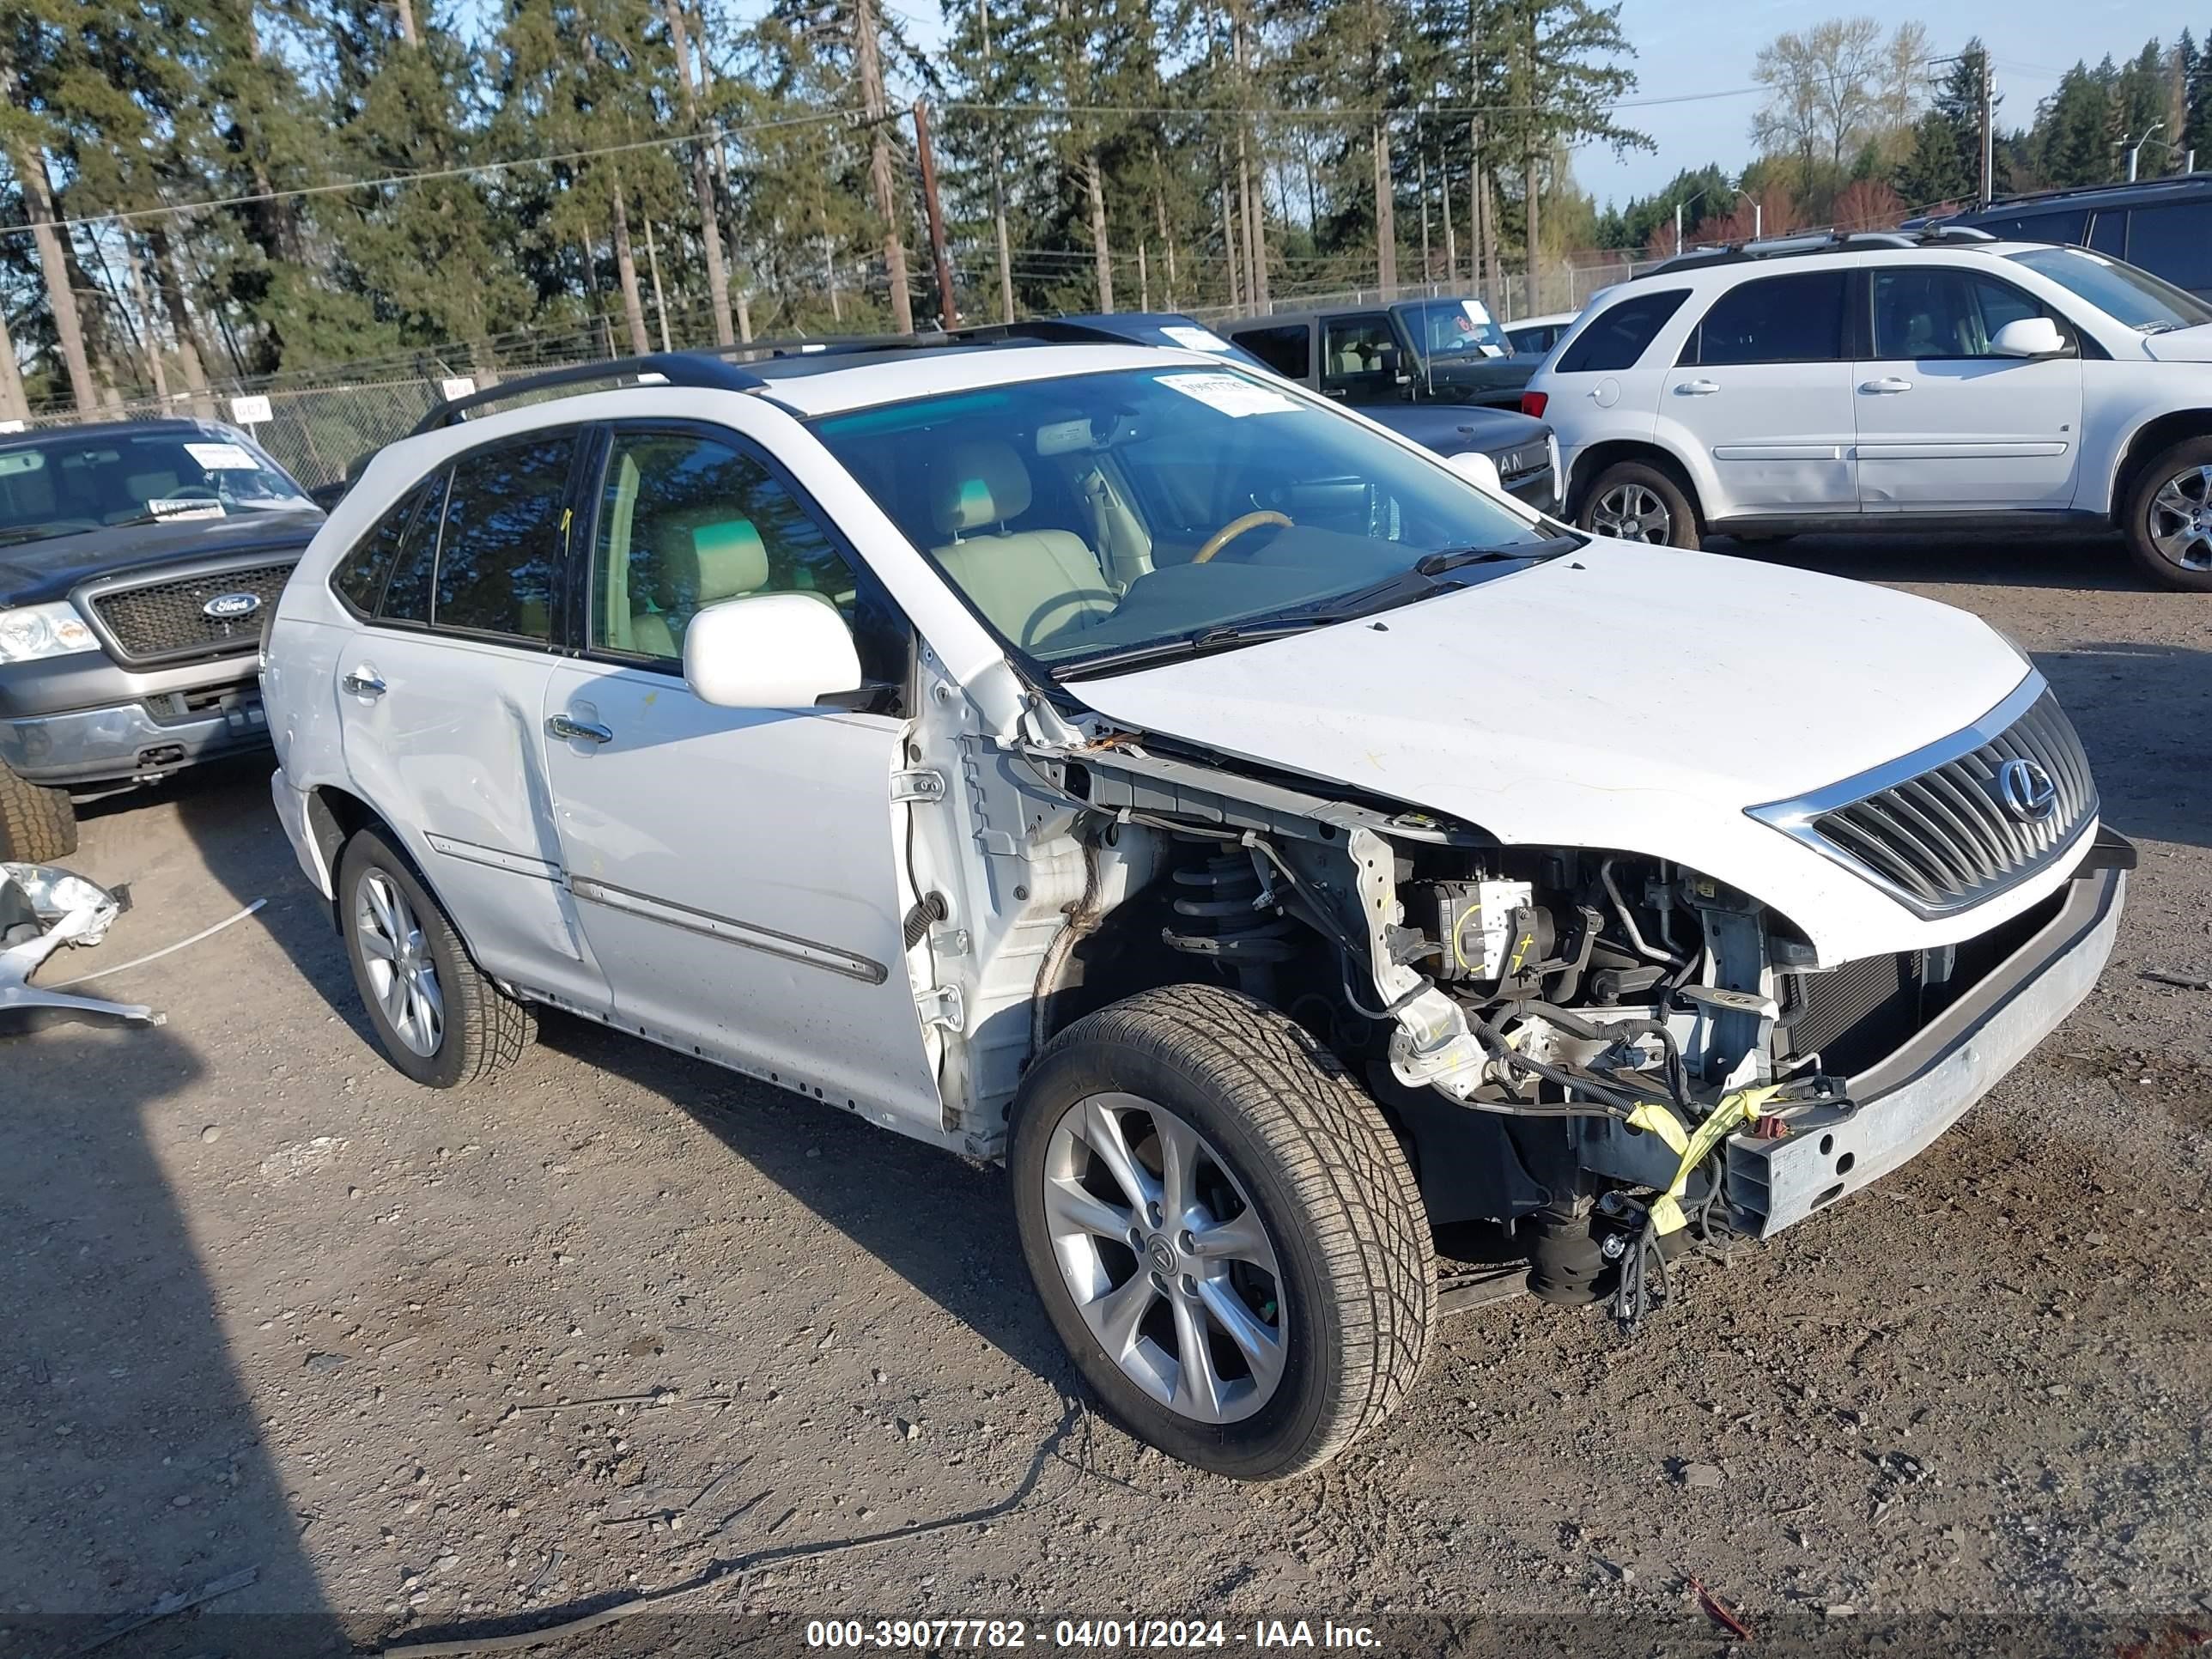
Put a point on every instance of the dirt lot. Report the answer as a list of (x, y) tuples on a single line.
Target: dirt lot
[(272, 1308)]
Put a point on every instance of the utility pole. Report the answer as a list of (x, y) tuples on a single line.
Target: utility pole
[(868, 53), (998, 181), (1988, 130), (659, 300), (948, 312), (1421, 158)]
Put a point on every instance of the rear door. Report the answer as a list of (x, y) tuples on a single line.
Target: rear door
[(1944, 423), (1360, 358), (737, 871), (1763, 384), (440, 695)]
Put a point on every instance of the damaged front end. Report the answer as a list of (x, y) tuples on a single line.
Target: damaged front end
[(1616, 1057)]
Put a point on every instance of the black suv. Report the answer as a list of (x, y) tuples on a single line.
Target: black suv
[(138, 561), (2162, 225)]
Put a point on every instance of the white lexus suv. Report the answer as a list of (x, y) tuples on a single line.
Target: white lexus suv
[(1887, 381), (1223, 811)]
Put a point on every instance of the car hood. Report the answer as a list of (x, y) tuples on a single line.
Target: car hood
[(32, 572), (1616, 697), (1454, 429), (2183, 345)]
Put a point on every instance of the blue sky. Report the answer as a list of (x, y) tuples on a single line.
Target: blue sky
[(1710, 45)]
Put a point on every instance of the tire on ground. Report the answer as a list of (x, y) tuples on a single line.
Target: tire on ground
[(484, 1029), (2185, 457), (38, 825), (1333, 1189), (1685, 528)]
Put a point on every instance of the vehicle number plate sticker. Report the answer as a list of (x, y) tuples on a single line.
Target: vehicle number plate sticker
[(184, 507), (1232, 394)]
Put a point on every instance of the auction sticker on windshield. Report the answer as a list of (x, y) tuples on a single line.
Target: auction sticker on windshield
[(184, 507), (1232, 394), (223, 458), (1197, 339)]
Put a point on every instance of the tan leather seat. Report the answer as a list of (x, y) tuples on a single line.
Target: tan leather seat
[(1031, 584), (702, 561)]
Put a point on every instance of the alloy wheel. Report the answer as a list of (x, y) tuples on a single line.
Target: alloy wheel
[(1632, 512), (2181, 519), (1165, 1257), (402, 972)]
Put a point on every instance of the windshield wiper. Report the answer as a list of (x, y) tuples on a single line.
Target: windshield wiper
[(2158, 327), (33, 533), (1421, 581)]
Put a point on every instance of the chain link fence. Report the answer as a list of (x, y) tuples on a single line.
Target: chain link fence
[(320, 432)]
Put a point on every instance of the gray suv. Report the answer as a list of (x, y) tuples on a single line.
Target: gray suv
[(139, 560)]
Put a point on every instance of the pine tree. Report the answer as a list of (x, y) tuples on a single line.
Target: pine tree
[(2196, 91), (2073, 130)]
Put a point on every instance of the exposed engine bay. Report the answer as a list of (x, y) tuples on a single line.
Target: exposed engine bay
[(1565, 1039)]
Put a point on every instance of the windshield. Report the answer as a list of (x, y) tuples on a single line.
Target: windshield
[(2134, 297), (1091, 517), (64, 485), (1455, 328)]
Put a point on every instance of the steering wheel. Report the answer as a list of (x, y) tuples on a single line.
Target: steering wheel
[(1236, 527)]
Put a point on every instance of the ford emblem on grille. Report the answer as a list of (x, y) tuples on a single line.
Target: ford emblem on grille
[(2026, 791), (229, 607)]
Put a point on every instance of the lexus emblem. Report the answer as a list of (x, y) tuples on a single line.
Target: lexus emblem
[(2026, 791), (229, 607)]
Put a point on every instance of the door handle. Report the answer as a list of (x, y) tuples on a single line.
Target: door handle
[(363, 681), (576, 731), (1696, 388), (1887, 383)]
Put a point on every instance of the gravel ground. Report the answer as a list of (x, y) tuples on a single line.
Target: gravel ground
[(273, 1308)]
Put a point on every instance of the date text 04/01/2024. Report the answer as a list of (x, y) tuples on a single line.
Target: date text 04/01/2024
[(1006, 1635)]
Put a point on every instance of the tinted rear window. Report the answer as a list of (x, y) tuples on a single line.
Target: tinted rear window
[(1287, 349), (1776, 320), (1620, 334), (2065, 225), (2173, 242), (407, 595), (501, 548), (361, 576)]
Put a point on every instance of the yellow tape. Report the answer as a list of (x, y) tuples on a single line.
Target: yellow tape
[(1743, 1106)]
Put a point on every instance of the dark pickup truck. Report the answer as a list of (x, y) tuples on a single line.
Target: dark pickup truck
[(1521, 448), (138, 561), (1441, 351)]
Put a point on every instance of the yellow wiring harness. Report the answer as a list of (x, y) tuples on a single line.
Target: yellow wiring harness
[(1692, 1147)]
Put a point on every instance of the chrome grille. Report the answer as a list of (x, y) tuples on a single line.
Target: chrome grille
[(1935, 831), (160, 619)]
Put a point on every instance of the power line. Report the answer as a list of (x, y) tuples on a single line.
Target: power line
[(430, 175)]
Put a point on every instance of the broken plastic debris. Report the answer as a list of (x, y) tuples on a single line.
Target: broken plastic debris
[(43, 907)]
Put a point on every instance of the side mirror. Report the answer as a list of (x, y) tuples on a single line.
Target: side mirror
[(1479, 470), (2028, 337), (773, 651), (328, 495), (1390, 361)]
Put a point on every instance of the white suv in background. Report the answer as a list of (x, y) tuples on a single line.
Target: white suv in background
[(1891, 381), (1066, 755)]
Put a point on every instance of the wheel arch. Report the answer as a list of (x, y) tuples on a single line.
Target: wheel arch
[(1591, 463), (335, 816), (2160, 433)]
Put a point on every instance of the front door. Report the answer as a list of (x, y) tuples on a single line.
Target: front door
[(737, 871), (1763, 386), (1946, 425)]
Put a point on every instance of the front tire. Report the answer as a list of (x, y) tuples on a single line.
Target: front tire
[(1222, 1229), (440, 1019), (38, 825), (2167, 519), (1635, 501)]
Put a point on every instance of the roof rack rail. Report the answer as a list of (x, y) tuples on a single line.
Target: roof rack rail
[(1822, 241), (833, 344), (691, 368)]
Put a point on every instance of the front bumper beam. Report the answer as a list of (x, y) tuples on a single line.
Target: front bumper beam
[(1894, 1110)]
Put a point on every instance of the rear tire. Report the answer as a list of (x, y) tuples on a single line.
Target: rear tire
[(2167, 519), (1304, 1276), (1634, 501), (440, 1019), (38, 825)]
